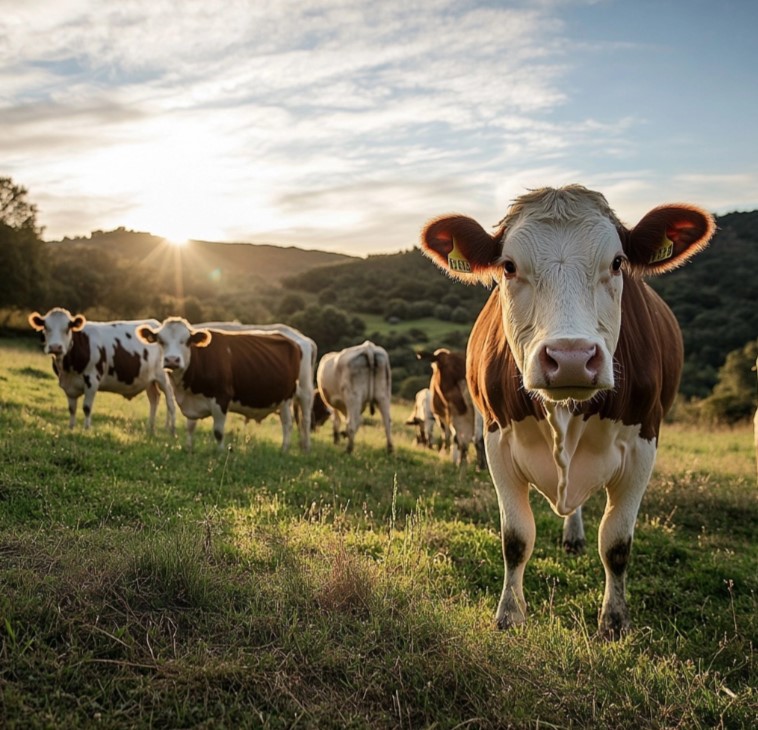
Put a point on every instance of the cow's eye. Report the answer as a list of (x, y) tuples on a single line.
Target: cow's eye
[(510, 269), (618, 262)]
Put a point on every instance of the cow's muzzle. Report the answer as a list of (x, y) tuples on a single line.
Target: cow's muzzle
[(570, 369)]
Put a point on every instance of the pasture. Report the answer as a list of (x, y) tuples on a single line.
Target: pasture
[(144, 586)]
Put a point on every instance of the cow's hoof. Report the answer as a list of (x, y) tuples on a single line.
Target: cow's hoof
[(574, 547), (614, 626)]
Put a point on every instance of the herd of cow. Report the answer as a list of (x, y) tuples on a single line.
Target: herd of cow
[(216, 368), (570, 368)]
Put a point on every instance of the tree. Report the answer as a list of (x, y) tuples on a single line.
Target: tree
[(15, 211), (734, 395), (23, 258)]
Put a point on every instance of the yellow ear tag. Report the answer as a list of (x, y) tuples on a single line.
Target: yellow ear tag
[(665, 251), (456, 261)]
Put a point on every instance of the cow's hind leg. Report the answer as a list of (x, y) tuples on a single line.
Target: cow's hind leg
[(517, 531), (384, 407), (285, 414), (90, 391), (574, 540), (191, 426), (353, 423), (336, 425), (615, 538), (219, 424)]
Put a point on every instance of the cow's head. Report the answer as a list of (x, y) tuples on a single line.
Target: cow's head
[(57, 328), (176, 338), (559, 258)]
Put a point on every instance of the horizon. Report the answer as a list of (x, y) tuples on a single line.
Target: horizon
[(343, 126)]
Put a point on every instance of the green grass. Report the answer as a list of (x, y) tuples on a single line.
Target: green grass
[(434, 328), (144, 586)]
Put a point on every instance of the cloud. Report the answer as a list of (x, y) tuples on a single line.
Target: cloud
[(335, 122)]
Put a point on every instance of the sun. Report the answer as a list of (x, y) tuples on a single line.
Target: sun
[(177, 242)]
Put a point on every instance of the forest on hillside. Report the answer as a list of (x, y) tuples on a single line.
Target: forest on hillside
[(127, 274)]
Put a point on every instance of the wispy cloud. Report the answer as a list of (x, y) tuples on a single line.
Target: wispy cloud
[(320, 123)]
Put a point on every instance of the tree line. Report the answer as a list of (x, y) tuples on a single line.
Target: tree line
[(128, 274)]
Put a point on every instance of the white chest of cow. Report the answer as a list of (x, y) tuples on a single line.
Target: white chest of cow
[(572, 363)]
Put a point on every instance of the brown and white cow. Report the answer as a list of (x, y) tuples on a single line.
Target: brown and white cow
[(304, 396), (107, 356), (573, 363), (452, 405), (350, 380), (422, 417), (216, 372)]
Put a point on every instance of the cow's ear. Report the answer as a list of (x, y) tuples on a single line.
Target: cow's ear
[(146, 334), (36, 321), (200, 338), (78, 323), (667, 237), (462, 248)]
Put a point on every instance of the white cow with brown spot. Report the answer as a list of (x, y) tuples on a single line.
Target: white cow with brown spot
[(103, 356)]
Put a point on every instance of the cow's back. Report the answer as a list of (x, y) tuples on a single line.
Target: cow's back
[(256, 371)]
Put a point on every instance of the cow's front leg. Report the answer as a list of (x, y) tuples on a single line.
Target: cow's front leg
[(615, 537), (191, 426), (153, 396), (574, 540), (517, 529), (71, 411)]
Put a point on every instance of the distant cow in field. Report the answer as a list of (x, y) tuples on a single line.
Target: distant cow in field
[(304, 395), (573, 363), (106, 356), (451, 403), (422, 418), (216, 372), (350, 380)]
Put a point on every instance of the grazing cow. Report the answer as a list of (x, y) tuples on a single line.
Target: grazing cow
[(452, 405), (423, 418), (215, 372), (107, 356), (573, 363), (351, 379), (304, 396)]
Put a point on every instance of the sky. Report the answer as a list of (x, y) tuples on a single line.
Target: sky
[(344, 125)]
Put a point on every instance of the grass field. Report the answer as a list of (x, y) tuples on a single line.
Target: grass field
[(143, 586)]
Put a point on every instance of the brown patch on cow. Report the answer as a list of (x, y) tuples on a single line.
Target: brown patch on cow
[(514, 549), (648, 363), (125, 364), (444, 385), (100, 364), (617, 557), (78, 356), (320, 412), (258, 371)]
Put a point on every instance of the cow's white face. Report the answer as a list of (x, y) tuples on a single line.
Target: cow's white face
[(57, 327), (560, 292), (176, 339)]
